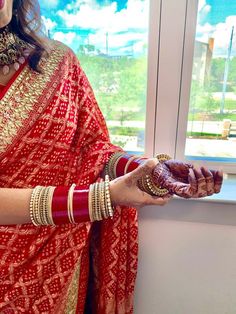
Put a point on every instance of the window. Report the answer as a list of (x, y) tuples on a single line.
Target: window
[(110, 39), (210, 132), (161, 82)]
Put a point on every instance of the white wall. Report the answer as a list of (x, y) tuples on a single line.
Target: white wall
[(187, 259)]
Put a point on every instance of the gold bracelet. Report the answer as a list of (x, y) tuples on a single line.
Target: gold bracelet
[(98, 201), (163, 157), (102, 199), (147, 184), (155, 190), (115, 165), (108, 197), (44, 206), (91, 202), (50, 197), (95, 202), (34, 205), (40, 205), (111, 164)]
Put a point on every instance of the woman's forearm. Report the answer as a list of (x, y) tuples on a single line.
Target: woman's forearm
[(14, 206)]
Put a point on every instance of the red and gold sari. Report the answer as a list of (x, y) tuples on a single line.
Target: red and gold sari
[(53, 133)]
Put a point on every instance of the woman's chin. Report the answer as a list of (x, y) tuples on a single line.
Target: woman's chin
[(2, 25)]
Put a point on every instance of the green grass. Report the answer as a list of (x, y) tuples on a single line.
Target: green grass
[(205, 116), (204, 135)]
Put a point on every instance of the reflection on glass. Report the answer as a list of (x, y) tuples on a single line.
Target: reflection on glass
[(110, 40), (211, 132)]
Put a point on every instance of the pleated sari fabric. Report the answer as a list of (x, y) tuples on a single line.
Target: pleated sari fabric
[(53, 133)]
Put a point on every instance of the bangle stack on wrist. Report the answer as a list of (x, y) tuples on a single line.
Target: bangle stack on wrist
[(100, 201), (122, 163), (59, 205), (147, 184), (40, 206)]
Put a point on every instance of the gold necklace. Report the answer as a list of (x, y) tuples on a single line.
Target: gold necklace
[(13, 50)]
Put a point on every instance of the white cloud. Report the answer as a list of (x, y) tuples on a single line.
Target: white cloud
[(69, 39), (203, 6), (106, 17), (48, 23), (222, 36), (221, 33), (49, 4), (203, 10), (130, 42), (126, 29)]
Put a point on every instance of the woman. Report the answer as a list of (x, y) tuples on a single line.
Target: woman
[(54, 146)]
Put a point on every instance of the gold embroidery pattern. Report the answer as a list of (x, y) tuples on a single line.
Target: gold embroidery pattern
[(24, 95), (72, 295)]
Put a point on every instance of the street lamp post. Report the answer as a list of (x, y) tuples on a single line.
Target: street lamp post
[(222, 104)]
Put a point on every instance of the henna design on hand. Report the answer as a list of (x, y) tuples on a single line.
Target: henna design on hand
[(187, 181)]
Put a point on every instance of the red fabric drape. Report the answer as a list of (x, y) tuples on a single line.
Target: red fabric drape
[(53, 133)]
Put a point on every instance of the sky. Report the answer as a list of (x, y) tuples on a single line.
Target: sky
[(216, 19), (121, 26)]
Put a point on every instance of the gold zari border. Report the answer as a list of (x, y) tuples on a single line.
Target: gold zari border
[(72, 296), (26, 97)]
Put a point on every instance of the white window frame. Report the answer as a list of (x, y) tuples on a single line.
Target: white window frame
[(172, 30)]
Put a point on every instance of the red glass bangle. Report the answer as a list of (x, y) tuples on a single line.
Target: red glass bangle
[(59, 205), (135, 163), (120, 167), (80, 205)]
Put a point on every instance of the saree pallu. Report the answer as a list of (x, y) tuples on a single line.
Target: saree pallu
[(53, 133)]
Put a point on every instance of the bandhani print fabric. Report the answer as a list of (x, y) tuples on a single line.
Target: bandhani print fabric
[(53, 133)]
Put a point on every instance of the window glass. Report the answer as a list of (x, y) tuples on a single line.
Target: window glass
[(211, 131), (110, 40)]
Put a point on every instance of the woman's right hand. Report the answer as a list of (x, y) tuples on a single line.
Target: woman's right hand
[(125, 191)]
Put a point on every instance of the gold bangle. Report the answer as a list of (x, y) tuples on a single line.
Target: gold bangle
[(34, 205), (95, 202), (102, 199), (111, 164), (98, 202), (50, 197), (43, 206), (163, 157), (108, 197), (115, 165), (91, 202), (94, 218), (155, 190), (40, 205)]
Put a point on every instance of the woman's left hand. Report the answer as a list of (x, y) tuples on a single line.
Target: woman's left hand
[(186, 180), (125, 190)]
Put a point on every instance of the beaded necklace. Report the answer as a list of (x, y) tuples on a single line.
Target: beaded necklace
[(13, 50)]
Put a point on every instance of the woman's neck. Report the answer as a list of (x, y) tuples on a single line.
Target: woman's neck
[(4, 79)]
